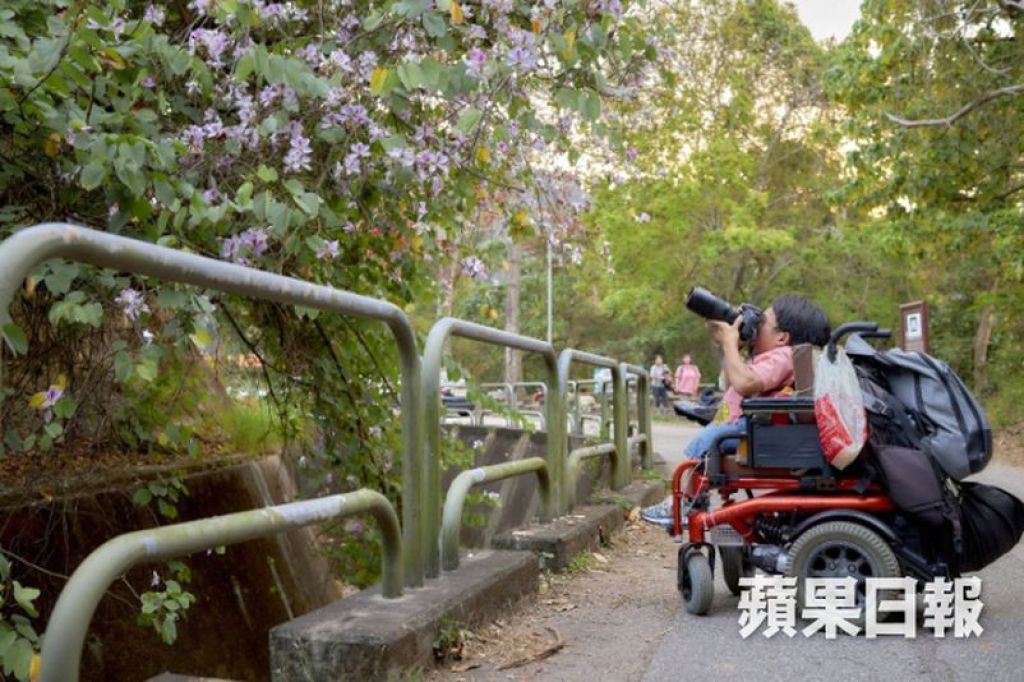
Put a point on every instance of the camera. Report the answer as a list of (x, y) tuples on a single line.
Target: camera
[(710, 307)]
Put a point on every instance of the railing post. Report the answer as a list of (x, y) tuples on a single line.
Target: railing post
[(643, 411), (620, 416)]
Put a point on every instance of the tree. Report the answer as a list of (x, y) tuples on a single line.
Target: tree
[(735, 161), (935, 120), (341, 142)]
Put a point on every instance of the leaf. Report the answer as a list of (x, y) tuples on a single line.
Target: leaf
[(60, 276), (169, 631), (266, 174), (131, 175), (25, 596), (201, 338), (168, 510), (19, 659), (147, 370), (468, 119), (456, 13), (53, 430), (7, 638), (411, 75), (245, 66), (93, 174), (244, 195), (90, 314), (65, 408), (124, 365), (308, 202), (378, 79), (142, 497), (435, 25)]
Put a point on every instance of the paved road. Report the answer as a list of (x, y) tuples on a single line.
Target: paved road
[(711, 646)]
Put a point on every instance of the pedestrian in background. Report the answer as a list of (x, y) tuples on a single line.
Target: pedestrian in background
[(660, 380), (687, 377)]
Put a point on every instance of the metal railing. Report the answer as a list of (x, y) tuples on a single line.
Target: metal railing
[(65, 634), (412, 549), (24, 250), (433, 353), (457, 491), (620, 453), (643, 411)]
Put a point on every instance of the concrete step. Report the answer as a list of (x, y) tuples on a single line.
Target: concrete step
[(367, 637)]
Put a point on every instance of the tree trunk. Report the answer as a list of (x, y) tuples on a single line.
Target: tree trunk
[(513, 358), (981, 340), (448, 275)]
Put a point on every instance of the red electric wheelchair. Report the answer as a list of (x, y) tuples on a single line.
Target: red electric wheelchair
[(784, 510)]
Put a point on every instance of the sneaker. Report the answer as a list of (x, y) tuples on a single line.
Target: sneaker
[(660, 514)]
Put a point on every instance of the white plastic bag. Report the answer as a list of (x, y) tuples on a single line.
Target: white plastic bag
[(839, 410)]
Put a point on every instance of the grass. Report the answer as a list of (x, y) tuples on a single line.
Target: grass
[(580, 563), (249, 427)]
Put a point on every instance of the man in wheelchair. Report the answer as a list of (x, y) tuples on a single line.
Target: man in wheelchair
[(770, 336)]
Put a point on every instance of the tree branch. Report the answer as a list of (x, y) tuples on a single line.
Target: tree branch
[(1008, 91)]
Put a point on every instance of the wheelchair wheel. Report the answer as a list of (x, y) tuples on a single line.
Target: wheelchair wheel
[(698, 584), (837, 549), (734, 566)]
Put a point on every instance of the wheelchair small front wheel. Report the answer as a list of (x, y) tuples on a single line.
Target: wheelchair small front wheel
[(698, 584)]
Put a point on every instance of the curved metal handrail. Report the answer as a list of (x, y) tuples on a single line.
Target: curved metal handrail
[(25, 249), (459, 488), (620, 460), (69, 622), (433, 352)]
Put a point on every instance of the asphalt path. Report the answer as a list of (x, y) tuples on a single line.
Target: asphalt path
[(711, 646)]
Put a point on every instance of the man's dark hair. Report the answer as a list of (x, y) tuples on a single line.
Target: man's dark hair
[(804, 320)]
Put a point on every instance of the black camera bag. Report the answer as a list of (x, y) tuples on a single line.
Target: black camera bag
[(993, 521)]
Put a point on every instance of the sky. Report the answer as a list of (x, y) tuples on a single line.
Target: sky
[(828, 18)]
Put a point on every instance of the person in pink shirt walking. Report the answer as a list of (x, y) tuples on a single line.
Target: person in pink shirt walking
[(687, 377)]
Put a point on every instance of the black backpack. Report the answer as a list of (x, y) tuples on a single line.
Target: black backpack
[(893, 456), (984, 521), (948, 422)]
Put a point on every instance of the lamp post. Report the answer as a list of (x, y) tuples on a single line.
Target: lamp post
[(551, 305)]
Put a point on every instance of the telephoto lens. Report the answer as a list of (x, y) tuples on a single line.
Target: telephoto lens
[(709, 306)]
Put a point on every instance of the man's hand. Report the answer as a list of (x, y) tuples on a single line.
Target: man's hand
[(726, 335)]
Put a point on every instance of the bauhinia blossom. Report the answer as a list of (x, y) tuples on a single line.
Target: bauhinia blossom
[(132, 304)]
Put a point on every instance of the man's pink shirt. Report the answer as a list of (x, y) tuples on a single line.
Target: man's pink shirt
[(774, 367)]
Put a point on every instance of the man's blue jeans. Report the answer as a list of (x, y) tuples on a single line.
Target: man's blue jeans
[(702, 442)]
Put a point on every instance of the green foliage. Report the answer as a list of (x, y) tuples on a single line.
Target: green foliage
[(249, 427), (164, 493), (936, 164), (19, 641), (343, 143), (354, 549), (450, 640), (581, 563), (161, 610)]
